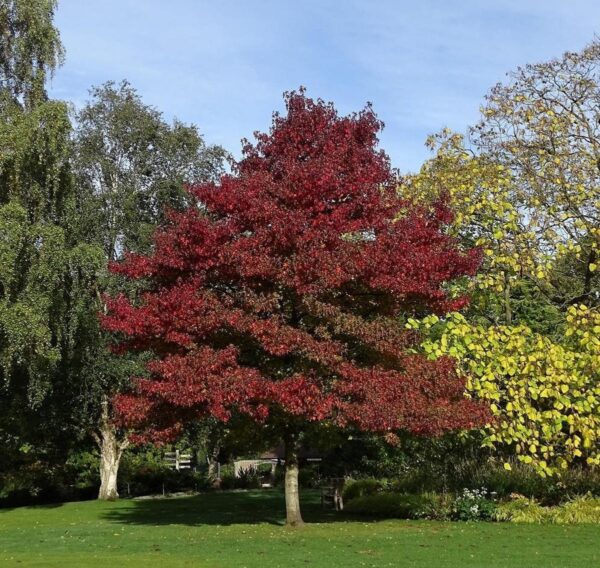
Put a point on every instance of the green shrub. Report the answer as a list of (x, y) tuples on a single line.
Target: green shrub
[(520, 479), (401, 506), (228, 479), (264, 469), (248, 479), (35, 480), (363, 488), (579, 481), (435, 506), (584, 509), (523, 480), (309, 476), (522, 510), (83, 469), (415, 481)]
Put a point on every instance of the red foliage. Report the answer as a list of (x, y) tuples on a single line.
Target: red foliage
[(282, 291)]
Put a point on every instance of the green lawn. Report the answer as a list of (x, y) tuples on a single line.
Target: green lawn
[(245, 529)]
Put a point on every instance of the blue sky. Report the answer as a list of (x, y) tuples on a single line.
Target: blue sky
[(223, 64)]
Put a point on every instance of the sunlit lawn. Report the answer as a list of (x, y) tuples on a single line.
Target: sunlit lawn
[(245, 529)]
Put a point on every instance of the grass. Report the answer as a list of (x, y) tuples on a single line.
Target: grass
[(245, 530)]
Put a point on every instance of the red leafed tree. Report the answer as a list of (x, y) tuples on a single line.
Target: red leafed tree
[(280, 295)]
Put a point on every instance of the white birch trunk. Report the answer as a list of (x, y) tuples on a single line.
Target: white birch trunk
[(111, 450)]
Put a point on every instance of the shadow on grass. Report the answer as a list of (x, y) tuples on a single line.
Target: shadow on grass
[(8, 508), (221, 508)]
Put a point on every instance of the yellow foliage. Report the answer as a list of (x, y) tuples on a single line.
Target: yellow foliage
[(481, 194), (545, 396), (517, 228)]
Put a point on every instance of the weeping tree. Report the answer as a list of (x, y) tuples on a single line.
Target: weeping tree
[(49, 267), (35, 195), (30, 50), (45, 267), (131, 167)]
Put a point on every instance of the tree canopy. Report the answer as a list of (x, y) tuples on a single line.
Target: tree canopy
[(30, 50), (278, 294)]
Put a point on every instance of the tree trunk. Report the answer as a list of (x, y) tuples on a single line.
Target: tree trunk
[(292, 495), (214, 474), (111, 450)]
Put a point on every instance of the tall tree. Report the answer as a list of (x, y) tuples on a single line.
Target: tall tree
[(511, 286), (30, 49), (527, 191), (44, 268), (131, 167), (543, 125), (279, 295)]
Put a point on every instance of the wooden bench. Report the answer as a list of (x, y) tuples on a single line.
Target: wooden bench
[(331, 493)]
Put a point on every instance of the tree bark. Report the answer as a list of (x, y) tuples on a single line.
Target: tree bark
[(213, 465), (111, 450), (292, 495)]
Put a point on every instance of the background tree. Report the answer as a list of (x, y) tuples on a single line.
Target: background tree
[(133, 165), (510, 286), (545, 395), (30, 49), (278, 295), (45, 269), (130, 167), (529, 181), (526, 191), (544, 126), (68, 202)]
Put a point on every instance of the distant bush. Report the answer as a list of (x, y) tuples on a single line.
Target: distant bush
[(309, 476), (363, 488), (228, 479), (436, 506), (41, 482), (521, 479), (576, 482), (473, 505), (144, 471), (401, 506), (248, 479), (525, 481)]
